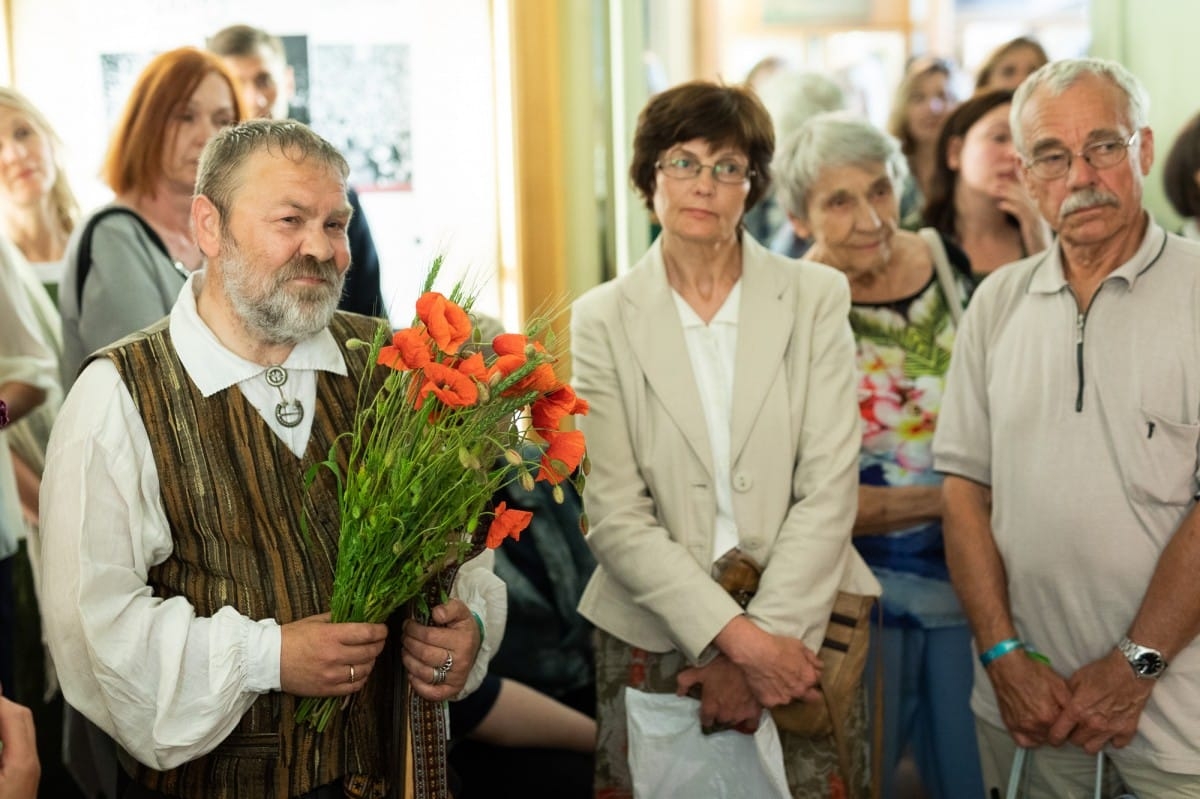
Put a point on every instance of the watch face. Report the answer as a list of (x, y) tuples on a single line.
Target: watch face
[(1148, 664)]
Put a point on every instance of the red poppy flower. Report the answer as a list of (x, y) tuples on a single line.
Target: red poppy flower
[(451, 386), (473, 367), (514, 344), (548, 411), (541, 378), (565, 448), (409, 350), (509, 523), (509, 344), (448, 324)]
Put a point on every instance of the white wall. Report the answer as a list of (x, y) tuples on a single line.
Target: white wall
[(452, 205)]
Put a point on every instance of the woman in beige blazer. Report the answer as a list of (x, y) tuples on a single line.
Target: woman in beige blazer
[(723, 414)]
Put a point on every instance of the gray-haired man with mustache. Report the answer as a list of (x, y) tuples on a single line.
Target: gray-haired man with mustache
[(1068, 436)]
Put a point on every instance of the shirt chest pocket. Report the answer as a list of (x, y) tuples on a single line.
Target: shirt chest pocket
[(1160, 467)]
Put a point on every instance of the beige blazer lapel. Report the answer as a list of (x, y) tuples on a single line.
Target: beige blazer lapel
[(765, 320), (649, 316)]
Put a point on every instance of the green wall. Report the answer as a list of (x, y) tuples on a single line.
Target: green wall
[(1159, 41)]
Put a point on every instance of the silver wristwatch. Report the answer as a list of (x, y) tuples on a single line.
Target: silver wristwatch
[(1147, 663)]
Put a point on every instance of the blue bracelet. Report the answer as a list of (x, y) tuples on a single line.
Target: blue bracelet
[(1001, 649)]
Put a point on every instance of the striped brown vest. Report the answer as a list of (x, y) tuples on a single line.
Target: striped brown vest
[(234, 496)]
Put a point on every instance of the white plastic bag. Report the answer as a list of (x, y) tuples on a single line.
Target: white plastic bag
[(670, 757)]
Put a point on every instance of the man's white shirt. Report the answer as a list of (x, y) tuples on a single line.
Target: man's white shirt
[(167, 684)]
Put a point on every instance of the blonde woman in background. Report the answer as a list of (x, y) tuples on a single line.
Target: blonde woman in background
[(26, 375), (38, 212), (923, 100), (1009, 64)]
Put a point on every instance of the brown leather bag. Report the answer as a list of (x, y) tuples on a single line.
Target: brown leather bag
[(843, 653), (843, 656)]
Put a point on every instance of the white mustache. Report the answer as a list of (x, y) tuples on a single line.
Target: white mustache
[(1086, 198)]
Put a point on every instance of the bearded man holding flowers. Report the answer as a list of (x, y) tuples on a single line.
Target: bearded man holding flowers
[(194, 538)]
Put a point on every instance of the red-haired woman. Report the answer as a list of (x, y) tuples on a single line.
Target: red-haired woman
[(127, 262)]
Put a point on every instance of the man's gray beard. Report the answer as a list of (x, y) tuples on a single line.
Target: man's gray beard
[(268, 306)]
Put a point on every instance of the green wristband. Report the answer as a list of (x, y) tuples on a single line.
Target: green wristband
[(479, 624), (1036, 655)]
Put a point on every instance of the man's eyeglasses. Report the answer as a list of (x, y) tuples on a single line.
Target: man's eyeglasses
[(1053, 164), (683, 166)]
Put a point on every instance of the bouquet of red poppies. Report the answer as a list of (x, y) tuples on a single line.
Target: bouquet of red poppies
[(431, 445)]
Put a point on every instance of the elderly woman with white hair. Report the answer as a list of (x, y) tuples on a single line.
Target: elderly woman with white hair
[(838, 178)]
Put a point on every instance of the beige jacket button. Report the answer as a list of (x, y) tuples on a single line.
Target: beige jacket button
[(742, 482)]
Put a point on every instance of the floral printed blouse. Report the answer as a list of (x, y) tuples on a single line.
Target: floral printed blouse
[(903, 351)]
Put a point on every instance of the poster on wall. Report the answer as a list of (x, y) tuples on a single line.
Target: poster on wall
[(295, 50), (118, 72), (362, 102), (359, 97)]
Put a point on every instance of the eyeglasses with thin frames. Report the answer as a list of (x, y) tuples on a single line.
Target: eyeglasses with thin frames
[(1053, 164), (684, 166)]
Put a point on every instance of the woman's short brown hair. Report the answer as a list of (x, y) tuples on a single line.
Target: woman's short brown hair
[(1180, 171), (134, 161), (723, 116)]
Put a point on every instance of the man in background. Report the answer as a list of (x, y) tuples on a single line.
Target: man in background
[(258, 61)]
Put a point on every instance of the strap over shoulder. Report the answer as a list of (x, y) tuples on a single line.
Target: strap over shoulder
[(83, 257), (945, 272)]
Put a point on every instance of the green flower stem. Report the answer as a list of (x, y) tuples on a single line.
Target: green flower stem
[(413, 482)]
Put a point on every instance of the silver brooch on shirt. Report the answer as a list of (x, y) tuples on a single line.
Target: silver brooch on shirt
[(288, 413)]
